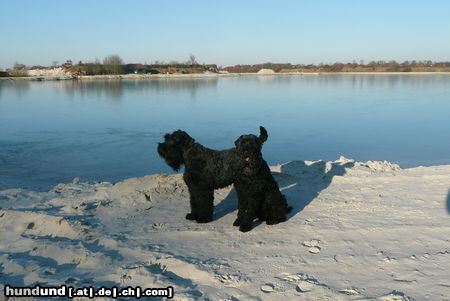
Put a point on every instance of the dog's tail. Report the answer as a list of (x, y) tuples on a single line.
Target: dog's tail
[(262, 134)]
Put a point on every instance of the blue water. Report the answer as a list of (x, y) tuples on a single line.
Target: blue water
[(51, 132)]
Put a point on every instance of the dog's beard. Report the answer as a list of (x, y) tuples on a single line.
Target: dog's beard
[(172, 156), (252, 162)]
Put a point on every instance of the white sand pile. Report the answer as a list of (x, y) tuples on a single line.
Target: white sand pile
[(266, 71), (54, 72), (358, 231)]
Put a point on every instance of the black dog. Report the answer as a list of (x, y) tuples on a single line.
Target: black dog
[(258, 193), (205, 170)]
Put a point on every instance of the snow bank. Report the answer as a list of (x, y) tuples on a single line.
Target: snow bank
[(55, 72), (266, 71), (358, 231)]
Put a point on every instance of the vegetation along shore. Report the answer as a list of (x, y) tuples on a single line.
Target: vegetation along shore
[(113, 67)]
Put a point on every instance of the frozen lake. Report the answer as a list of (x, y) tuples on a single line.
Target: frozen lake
[(52, 132)]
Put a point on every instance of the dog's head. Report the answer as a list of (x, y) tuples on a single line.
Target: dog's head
[(249, 147), (173, 147)]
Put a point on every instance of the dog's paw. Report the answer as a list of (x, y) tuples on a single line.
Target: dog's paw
[(245, 227), (272, 222), (237, 222), (203, 220), (275, 221), (191, 216)]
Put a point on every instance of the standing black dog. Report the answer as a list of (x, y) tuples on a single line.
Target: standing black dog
[(257, 191), (205, 170)]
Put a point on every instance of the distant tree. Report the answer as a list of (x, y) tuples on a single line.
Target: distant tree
[(67, 64), (113, 64), (192, 60), (55, 64), (97, 68), (18, 66), (19, 70), (393, 66)]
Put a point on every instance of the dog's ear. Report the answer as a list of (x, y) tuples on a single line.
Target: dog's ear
[(182, 138), (236, 143), (262, 134)]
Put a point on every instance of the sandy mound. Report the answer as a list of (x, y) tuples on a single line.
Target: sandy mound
[(358, 231), (55, 72), (266, 71)]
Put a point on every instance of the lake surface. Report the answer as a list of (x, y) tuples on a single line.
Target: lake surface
[(51, 132)]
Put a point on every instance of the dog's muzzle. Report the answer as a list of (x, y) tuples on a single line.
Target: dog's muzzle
[(161, 150)]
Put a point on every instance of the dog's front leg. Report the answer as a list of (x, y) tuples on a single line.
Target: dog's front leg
[(205, 206), (242, 207), (249, 215), (202, 204), (193, 200)]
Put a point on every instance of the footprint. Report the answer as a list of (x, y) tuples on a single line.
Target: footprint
[(291, 277), (230, 280), (314, 250), (158, 225), (305, 286), (313, 245), (395, 296), (349, 291), (267, 288)]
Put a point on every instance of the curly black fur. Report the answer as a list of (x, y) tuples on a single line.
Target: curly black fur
[(258, 193), (205, 170)]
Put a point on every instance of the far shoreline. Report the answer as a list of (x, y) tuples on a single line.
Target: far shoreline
[(201, 75)]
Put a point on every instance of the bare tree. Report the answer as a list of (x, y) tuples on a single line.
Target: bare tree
[(55, 64), (192, 60), (18, 66), (19, 70), (113, 64)]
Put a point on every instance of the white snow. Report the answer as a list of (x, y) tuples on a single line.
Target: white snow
[(53, 72), (265, 71), (358, 231)]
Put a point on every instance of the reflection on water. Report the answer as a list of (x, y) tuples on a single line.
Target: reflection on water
[(115, 89), (108, 130)]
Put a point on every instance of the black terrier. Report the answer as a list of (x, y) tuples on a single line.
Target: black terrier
[(258, 193), (205, 170)]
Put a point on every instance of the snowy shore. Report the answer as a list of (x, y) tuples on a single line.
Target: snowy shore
[(67, 76), (358, 231)]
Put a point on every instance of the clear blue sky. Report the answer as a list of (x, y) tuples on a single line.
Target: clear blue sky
[(224, 32)]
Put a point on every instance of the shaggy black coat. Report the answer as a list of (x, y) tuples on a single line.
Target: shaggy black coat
[(205, 170), (258, 193)]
